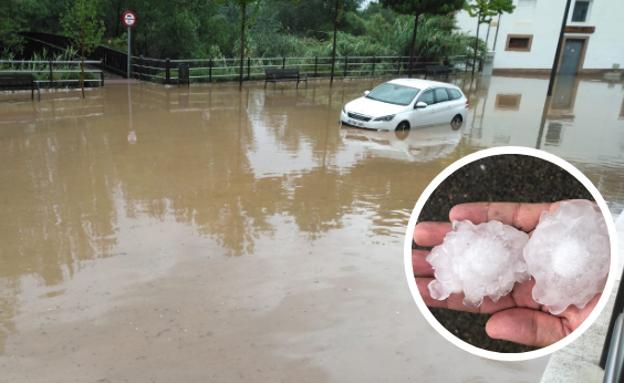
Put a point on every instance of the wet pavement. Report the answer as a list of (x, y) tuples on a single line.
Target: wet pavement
[(211, 234)]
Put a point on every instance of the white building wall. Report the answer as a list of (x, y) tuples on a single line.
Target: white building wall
[(542, 19), (605, 46)]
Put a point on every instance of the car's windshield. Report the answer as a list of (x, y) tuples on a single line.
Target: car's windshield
[(393, 93)]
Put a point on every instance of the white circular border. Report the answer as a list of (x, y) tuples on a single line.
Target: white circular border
[(409, 272)]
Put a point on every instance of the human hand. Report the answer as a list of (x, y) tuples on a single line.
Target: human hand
[(516, 317)]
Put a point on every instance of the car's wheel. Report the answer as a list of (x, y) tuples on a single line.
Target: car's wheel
[(403, 125), (456, 122), (402, 130)]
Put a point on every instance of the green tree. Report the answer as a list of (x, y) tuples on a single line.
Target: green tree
[(81, 22), (11, 23), (484, 10), (243, 6), (417, 8), (500, 7), (335, 27)]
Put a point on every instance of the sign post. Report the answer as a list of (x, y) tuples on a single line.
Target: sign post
[(129, 18)]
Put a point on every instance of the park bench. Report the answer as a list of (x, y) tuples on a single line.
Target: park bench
[(283, 74), (438, 70), (20, 81)]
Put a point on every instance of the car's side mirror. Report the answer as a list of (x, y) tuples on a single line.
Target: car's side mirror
[(420, 105), (366, 92)]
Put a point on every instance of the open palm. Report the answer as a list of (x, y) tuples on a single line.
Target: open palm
[(516, 317)]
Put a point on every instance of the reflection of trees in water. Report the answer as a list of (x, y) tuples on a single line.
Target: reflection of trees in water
[(192, 169), (58, 209), (202, 173), (68, 181), (58, 203)]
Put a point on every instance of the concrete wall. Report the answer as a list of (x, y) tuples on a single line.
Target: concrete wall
[(542, 19)]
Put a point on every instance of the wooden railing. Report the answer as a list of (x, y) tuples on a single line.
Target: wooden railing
[(210, 70), (53, 74)]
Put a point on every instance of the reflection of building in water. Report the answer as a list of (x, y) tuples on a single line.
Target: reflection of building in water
[(582, 123), (527, 38)]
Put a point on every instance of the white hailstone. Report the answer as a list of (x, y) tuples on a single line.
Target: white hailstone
[(483, 260), (568, 255)]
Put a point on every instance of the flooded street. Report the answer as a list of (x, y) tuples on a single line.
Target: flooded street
[(153, 234)]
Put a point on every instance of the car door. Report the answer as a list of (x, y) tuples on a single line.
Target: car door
[(422, 116), (443, 107), (456, 104)]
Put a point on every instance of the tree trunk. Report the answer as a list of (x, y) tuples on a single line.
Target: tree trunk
[(487, 36), (413, 45), (82, 73), (82, 56), (333, 64), (242, 42), (476, 47), (496, 34)]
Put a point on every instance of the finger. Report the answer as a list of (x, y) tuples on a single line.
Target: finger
[(523, 295), (573, 316), (421, 267), (455, 301), (430, 233), (526, 326), (524, 216)]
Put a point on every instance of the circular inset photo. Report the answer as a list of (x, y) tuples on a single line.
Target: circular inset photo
[(507, 253)]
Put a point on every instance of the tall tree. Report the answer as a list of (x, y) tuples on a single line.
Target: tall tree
[(82, 24), (484, 10), (336, 15), (418, 8), (243, 4), (11, 23), (500, 7)]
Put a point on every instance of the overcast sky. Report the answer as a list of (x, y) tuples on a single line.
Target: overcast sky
[(365, 3)]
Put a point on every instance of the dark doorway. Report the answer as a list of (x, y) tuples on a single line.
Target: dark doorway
[(572, 54)]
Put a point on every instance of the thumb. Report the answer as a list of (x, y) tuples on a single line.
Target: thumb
[(526, 326)]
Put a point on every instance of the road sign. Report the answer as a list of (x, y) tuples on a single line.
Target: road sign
[(128, 18)]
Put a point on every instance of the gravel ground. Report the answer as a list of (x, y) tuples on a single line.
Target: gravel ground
[(515, 178)]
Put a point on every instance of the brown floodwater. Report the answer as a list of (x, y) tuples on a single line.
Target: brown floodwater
[(152, 233)]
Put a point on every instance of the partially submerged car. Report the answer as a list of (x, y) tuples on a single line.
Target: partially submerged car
[(402, 104)]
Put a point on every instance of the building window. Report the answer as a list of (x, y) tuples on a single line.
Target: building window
[(581, 8), (508, 101), (553, 134), (519, 43)]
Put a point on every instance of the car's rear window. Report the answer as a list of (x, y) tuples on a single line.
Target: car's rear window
[(393, 94), (441, 95), (454, 94)]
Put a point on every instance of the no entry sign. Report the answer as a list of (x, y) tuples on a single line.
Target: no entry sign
[(128, 18)]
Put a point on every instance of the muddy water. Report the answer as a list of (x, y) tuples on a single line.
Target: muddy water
[(212, 234)]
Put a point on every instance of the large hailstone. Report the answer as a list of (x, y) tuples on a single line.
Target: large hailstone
[(568, 255), (483, 260)]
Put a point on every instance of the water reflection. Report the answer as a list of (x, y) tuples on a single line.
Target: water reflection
[(582, 125), (100, 193), (221, 160), (417, 145)]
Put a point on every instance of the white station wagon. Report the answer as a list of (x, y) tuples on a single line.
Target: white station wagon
[(406, 103)]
